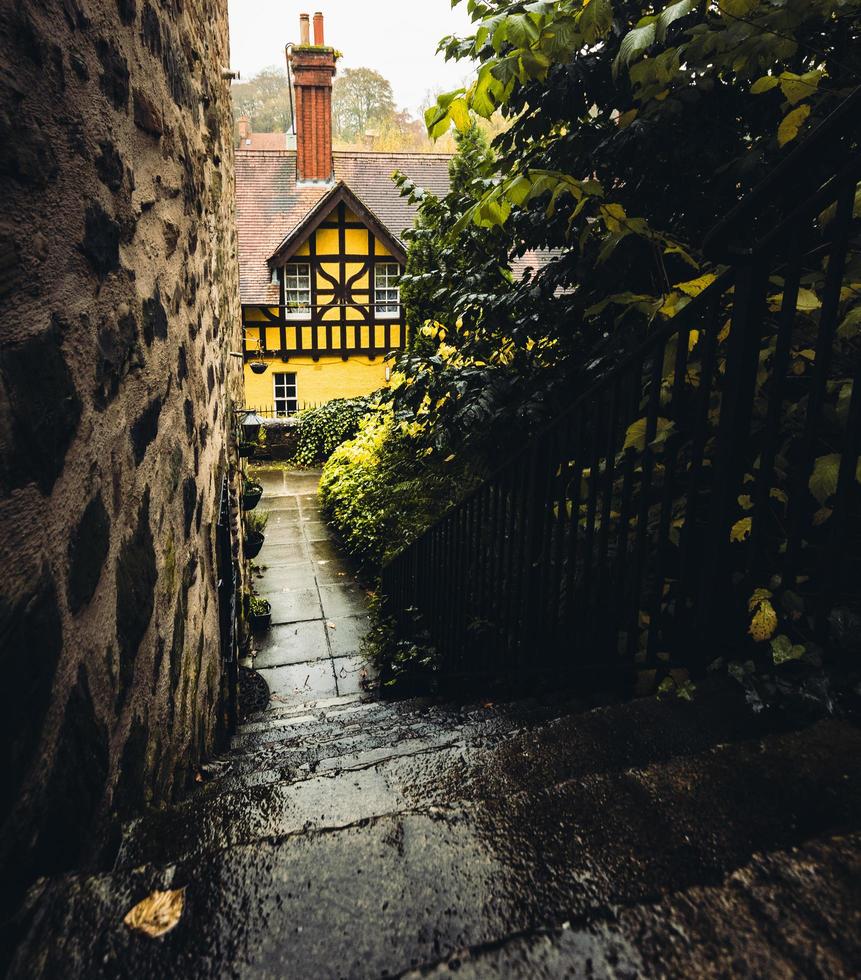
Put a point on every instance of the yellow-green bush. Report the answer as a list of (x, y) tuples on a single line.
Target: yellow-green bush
[(382, 489)]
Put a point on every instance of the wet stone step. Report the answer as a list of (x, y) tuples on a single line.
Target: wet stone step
[(324, 746), (454, 774), (361, 709), (386, 895), (756, 923)]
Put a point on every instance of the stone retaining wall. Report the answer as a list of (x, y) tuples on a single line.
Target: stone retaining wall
[(119, 300)]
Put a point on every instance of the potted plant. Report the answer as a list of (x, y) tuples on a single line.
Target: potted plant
[(260, 614), (255, 525), (251, 494)]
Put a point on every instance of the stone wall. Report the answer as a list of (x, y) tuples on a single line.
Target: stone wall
[(119, 300)]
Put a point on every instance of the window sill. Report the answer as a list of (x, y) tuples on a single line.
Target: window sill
[(388, 316)]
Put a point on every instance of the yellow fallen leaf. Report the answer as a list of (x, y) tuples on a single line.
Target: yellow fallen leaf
[(157, 914), (741, 529)]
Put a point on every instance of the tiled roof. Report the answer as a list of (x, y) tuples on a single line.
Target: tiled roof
[(263, 141), (269, 204)]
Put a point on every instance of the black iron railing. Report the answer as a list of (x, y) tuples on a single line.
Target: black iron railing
[(625, 532), (274, 412)]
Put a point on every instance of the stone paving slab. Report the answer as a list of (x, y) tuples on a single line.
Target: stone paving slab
[(292, 644), (333, 572), (352, 674), (287, 507), (340, 601), (346, 639), (290, 577), (316, 531), (301, 682), (284, 534), (294, 606)]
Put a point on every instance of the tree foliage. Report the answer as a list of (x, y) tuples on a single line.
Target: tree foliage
[(265, 99), (362, 100), (632, 129)]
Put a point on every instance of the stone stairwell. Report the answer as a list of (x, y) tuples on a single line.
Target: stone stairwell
[(356, 838)]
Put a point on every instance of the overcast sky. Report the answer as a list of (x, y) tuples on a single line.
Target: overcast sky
[(397, 38)]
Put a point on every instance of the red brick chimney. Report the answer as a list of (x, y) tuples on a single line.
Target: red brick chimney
[(244, 127), (313, 71)]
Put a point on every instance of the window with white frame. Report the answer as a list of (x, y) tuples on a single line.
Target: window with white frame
[(297, 288), (286, 401), (387, 292)]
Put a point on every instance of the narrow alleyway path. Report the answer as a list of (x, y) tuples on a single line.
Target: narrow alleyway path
[(319, 612), (347, 838)]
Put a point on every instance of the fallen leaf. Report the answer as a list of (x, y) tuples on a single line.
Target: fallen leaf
[(741, 529), (157, 914), (331, 626)]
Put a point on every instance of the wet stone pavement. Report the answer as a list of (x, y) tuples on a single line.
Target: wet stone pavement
[(319, 612), (344, 837)]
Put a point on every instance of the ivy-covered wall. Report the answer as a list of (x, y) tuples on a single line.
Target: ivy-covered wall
[(118, 309)]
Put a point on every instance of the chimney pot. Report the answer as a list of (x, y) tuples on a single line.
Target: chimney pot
[(305, 30), (318, 30)]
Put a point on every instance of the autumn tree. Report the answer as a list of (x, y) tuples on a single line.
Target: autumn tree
[(362, 100), (265, 99)]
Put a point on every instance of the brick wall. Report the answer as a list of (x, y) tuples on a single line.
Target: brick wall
[(119, 300)]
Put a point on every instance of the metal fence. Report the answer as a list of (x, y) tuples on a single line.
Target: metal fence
[(270, 412), (627, 531)]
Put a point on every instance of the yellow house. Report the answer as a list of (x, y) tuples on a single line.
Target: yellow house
[(320, 250)]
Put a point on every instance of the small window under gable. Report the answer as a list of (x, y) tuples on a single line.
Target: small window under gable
[(297, 288), (387, 290)]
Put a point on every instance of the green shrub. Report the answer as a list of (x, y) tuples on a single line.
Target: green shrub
[(323, 429), (382, 489)]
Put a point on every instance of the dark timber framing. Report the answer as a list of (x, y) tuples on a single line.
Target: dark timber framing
[(339, 294)]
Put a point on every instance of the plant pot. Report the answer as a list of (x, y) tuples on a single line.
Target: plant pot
[(253, 543), (251, 495), (258, 367), (261, 621)]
